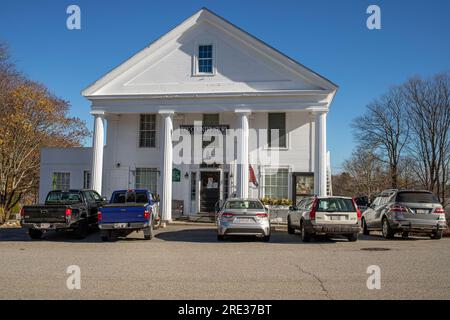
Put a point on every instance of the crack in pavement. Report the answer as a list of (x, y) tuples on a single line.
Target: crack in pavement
[(315, 277)]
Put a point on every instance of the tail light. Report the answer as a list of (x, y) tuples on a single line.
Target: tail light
[(439, 210), (358, 212), (312, 213), (68, 212), (146, 214), (262, 215), (99, 216), (22, 213), (227, 215)]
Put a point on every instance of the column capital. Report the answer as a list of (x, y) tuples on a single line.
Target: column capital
[(100, 113), (166, 112), (243, 111), (317, 111)]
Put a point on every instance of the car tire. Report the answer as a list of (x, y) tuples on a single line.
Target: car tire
[(366, 231), (82, 230), (35, 234), (306, 236), (266, 238), (352, 237), (290, 229), (105, 235), (148, 232), (386, 229), (220, 237), (437, 235)]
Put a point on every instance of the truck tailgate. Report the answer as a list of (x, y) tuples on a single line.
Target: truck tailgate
[(45, 214), (122, 213)]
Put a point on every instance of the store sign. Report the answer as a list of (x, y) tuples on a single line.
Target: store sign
[(176, 175)]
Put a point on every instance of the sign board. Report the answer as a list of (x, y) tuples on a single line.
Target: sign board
[(176, 175)]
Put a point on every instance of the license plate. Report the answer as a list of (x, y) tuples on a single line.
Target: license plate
[(244, 220), (44, 226), (120, 225), (337, 218), (422, 211)]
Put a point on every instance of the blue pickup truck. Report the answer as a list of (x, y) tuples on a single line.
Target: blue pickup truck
[(128, 211)]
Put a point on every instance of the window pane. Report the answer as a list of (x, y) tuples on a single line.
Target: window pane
[(146, 178), (277, 130), (205, 56), (61, 181), (147, 131), (276, 183), (86, 179)]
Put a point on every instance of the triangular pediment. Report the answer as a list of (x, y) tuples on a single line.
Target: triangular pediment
[(242, 64)]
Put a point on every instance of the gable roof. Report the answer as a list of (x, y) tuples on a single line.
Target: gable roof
[(205, 14)]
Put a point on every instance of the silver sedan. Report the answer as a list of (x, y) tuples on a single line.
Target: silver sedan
[(243, 217)]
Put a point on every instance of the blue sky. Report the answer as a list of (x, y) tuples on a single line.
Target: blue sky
[(329, 37)]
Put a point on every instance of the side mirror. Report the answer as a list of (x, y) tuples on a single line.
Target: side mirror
[(104, 199)]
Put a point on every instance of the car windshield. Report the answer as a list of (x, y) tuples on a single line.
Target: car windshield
[(243, 204), (130, 197), (416, 197), (55, 197), (335, 205)]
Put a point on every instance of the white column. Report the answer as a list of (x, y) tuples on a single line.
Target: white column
[(97, 152), (320, 161), (166, 165), (242, 156)]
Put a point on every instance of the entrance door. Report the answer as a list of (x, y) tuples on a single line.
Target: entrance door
[(210, 191)]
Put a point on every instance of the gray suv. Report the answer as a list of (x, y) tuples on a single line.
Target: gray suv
[(405, 211)]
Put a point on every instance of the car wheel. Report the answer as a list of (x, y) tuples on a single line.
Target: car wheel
[(35, 234), (220, 237), (266, 238), (82, 230), (352, 237), (437, 235), (290, 230), (148, 232), (366, 231), (386, 229), (306, 236)]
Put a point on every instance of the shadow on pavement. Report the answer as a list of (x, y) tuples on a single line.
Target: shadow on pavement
[(21, 234), (206, 235)]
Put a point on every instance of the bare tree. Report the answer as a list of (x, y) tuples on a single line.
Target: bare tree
[(383, 129), (368, 172), (428, 103)]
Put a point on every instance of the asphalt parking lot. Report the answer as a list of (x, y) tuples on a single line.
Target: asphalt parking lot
[(186, 262)]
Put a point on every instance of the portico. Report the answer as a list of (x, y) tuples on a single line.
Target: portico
[(208, 73)]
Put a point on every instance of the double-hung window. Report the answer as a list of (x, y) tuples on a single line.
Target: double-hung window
[(277, 130), (276, 183), (205, 59), (147, 131), (146, 178), (86, 179), (61, 181)]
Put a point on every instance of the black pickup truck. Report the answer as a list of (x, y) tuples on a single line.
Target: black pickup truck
[(71, 210)]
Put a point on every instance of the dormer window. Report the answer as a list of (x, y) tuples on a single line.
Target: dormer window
[(205, 59)]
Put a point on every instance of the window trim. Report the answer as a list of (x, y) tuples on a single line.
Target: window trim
[(288, 145), (60, 172), (195, 72), (152, 169), (264, 169), (139, 131)]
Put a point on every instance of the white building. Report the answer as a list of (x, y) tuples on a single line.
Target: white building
[(206, 73)]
